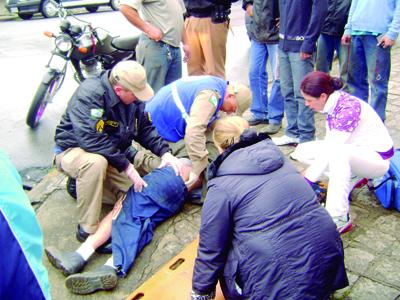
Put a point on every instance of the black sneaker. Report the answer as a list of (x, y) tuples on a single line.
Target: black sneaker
[(254, 122), (81, 235), (103, 278), (71, 187), (68, 262)]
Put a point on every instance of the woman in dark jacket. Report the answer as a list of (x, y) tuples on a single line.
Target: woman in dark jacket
[(263, 235)]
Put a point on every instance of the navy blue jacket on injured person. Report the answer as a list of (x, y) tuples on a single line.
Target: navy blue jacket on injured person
[(263, 235), (142, 212)]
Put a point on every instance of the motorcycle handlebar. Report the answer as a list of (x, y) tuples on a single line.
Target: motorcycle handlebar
[(63, 13)]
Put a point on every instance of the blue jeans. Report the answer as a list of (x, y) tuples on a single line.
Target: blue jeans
[(369, 69), (327, 45), (299, 117), (263, 108), (162, 62)]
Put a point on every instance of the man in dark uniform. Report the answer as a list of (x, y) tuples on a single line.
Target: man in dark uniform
[(94, 140)]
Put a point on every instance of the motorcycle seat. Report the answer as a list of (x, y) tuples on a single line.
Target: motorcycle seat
[(126, 43)]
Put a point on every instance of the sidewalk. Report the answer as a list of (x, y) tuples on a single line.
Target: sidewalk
[(372, 249)]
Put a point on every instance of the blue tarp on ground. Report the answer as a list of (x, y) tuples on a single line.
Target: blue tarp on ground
[(142, 212)]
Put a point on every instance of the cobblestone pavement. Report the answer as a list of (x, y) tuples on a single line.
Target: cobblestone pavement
[(372, 249)]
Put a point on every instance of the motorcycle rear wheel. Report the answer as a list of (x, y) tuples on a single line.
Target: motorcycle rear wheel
[(43, 96)]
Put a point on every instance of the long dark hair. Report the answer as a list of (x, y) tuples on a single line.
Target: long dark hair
[(317, 82)]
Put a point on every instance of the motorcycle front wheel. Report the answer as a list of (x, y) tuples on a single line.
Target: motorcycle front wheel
[(45, 92)]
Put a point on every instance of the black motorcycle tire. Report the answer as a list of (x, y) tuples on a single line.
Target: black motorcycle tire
[(43, 96)]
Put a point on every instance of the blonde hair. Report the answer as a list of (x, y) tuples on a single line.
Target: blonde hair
[(227, 131)]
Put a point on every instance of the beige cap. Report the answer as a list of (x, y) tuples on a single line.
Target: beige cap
[(243, 97), (132, 76)]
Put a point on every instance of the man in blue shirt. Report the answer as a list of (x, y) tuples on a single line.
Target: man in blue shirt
[(183, 113)]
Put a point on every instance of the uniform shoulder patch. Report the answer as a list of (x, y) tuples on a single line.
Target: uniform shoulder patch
[(213, 100), (96, 113), (100, 126)]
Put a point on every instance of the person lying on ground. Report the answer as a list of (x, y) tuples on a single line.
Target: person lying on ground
[(131, 225)]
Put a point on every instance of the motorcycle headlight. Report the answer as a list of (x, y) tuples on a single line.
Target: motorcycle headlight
[(63, 43)]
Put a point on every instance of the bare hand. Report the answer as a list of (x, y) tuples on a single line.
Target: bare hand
[(186, 50), (138, 182), (346, 38), (304, 56), (278, 22), (249, 10), (386, 42), (153, 32)]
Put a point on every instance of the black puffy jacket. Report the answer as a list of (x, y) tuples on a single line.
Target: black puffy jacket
[(98, 122), (263, 230), (262, 26), (336, 19)]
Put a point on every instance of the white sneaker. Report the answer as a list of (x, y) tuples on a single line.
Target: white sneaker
[(285, 140)]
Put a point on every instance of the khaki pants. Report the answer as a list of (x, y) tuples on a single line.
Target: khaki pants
[(98, 182), (207, 42)]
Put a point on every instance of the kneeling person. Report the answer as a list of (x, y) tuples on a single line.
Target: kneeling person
[(183, 113), (94, 140)]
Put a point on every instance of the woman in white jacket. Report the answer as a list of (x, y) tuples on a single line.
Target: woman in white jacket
[(356, 143)]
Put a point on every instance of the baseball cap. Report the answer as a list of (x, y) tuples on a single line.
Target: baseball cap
[(132, 76)]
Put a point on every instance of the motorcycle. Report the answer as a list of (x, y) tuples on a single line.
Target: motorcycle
[(89, 50)]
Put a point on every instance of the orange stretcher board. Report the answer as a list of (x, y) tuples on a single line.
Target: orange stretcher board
[(174, 280)]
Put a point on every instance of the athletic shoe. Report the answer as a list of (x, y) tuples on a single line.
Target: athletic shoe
[(343, 223), (272, 128), (286, 140), (103, 278), (254, 122)]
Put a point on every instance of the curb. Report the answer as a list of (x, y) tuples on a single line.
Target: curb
[(8, 17), (51, 182)]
